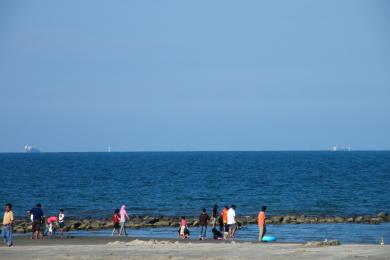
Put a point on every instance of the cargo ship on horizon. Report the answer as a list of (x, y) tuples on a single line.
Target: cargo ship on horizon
[(31, 149)]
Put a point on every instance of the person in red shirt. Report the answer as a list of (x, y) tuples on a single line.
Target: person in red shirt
[(115, 222), (261, 222)]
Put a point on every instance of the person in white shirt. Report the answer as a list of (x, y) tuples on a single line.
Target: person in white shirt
[(231, 221), (61, 221)]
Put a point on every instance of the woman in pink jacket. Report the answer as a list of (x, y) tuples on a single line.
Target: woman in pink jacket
[(123, 215)]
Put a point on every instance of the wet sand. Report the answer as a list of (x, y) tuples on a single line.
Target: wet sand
[(123, 248)]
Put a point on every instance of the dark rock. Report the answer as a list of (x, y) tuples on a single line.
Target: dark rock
[(150, 220), (276, 219), (300, 220), (20, 230), (95, 225), (322, 243), (376, 220), (76, 225), (359, 219), (162, 223), (286, 219), (339, 219)]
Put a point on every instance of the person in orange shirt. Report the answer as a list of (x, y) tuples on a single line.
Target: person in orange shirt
[(261, 222), (224, 220)]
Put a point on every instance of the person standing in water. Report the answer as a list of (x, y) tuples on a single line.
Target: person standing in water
[(8, 222), (37, 217), (61, 221), (203, 219), (224, 222), (123, 215), (115, 222), (261, 222), (183, 228), (214, 216), (51, 222), (231, 221)]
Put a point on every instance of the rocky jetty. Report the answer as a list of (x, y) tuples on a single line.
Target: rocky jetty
[(322, 243), (23, 226)]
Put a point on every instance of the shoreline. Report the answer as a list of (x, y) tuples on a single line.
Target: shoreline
[(138, 248), (74, 224)]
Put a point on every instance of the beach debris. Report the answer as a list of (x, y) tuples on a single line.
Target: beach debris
[(322, 243), (137, 242)]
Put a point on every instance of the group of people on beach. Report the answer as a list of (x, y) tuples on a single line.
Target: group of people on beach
[(119, 221), (226, 219), (40, 225), (45, 226)]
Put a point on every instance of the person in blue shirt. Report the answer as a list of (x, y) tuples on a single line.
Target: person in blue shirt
[(37, 220)]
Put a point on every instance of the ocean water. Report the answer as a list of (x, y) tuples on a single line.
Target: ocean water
[(181, 183)]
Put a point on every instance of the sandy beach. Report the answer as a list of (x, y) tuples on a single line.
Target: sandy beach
[(114, 248)]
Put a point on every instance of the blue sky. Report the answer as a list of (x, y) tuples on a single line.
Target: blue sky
[(194, 75)]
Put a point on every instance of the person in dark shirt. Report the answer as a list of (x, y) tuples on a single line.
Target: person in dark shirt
[(37, 217), (214, 215), (203, 219)]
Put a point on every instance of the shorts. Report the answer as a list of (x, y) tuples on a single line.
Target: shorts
[(36, 225), (116, 225), (61, 224), (226, 228), (232, 226), (182, 228)]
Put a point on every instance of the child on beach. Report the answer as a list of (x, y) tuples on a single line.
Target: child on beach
[(123, 216), (115, 221), (8, 222), (61, 221), (184, 228), (217, 234), (50, 222)]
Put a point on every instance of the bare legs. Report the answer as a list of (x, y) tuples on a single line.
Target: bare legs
[(123, 229)]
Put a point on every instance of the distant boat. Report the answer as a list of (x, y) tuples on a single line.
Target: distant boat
[(337, 148), (109, 149), (31, 149)]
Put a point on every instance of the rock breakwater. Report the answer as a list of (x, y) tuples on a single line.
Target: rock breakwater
[(23, 226)]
